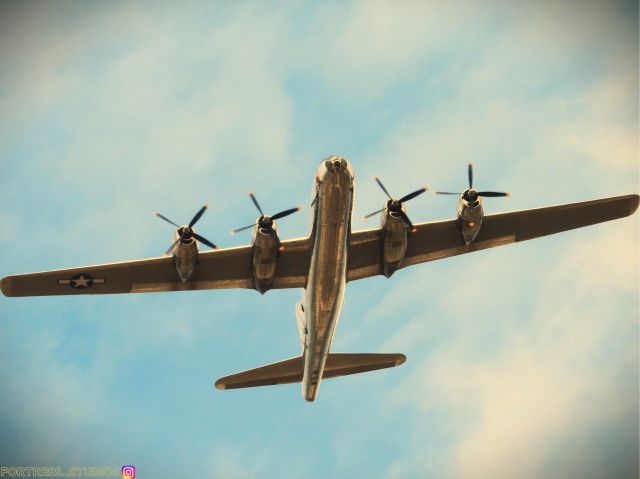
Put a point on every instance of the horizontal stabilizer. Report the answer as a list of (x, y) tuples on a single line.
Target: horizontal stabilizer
[(290, 370), (343, 364)]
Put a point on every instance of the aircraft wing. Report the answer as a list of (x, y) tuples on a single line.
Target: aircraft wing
[(218, 269), (442, 239)]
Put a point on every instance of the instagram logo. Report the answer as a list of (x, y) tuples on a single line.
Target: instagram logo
[(128, 472)]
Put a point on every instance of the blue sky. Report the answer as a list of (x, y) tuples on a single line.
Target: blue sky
[(522, 360)]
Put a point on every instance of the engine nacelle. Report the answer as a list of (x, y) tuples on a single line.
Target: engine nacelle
[(185, 258), (470, 215), (265, 257), (394, 247)]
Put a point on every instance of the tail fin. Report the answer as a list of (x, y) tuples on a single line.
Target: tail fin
[(290, 370)]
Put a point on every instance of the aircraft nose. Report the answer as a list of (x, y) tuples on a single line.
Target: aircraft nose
[(335, 163), (336, 167), (338, 164)]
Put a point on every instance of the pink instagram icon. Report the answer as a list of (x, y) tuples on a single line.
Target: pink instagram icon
[(128, 472)]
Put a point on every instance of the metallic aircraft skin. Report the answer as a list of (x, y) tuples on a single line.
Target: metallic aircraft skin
[(324, 294)]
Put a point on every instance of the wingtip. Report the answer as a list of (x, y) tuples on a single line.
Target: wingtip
[(220, 385), (5, 286), (400, 359), (634, 200)]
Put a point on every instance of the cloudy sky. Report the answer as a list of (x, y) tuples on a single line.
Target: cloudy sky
[(522, 360)]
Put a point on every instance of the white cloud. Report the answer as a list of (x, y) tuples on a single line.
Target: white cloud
[(361, 50), (155, 116), (519, 105), (510, 407)]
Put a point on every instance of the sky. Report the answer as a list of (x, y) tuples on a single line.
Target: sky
[(522, 361)]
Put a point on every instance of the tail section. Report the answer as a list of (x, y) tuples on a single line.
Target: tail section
[(291, 370)]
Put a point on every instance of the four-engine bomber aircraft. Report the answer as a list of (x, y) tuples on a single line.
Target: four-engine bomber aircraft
[(322, 264)]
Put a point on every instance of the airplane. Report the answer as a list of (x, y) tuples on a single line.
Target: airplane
[(321, 264)]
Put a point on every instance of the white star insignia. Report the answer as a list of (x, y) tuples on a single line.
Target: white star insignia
[(81, 282)]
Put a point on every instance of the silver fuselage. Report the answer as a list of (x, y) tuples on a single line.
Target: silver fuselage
[(324, 295)]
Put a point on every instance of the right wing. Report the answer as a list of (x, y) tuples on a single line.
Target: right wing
[(218, 269), (442, 239)]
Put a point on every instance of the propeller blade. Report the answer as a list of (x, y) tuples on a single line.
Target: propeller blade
[(172, 247), (374, 213), (382, 186), (242, 229), (279, 246), (491, 194), (411, 196), (255, 202), (166, 219), (204, 240), (470, 176), (445, 193), (284, 213), (406, 219), (198, 215)]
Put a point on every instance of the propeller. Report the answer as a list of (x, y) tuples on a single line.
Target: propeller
[(470, 194), (186, 232), (395, 206), (265, 222)]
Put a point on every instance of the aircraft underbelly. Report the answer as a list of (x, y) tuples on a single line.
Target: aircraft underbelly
[(327, 276)]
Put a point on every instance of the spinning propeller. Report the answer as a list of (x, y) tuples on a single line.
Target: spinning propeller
[(472, 195), (186, 232), (265, 222), (395, 206)]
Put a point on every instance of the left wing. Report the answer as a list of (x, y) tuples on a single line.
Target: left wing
[(218, 269), (442, 239)]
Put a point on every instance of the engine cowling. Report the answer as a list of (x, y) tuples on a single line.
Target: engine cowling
[(395, 226), (266, 246), (185, 258), (184, 246), (469, 209), (265, 257), (394, 248), (470, 215)]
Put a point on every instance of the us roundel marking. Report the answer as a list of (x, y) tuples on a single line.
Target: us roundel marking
[(81, 281)]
